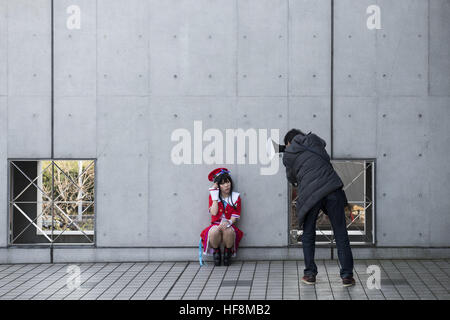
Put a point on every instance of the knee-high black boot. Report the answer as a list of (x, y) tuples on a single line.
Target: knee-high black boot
[(227, 256), (217, 256)]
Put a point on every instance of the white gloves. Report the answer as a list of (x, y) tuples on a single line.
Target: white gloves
[(214, 194)]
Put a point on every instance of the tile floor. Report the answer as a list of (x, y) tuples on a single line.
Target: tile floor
[(243, 280)]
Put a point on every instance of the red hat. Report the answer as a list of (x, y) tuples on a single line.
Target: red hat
[(217, 172)]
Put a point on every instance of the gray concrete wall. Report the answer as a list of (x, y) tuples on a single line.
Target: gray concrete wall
[(139, 69)]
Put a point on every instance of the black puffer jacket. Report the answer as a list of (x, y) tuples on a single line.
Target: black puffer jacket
[(308, 166)]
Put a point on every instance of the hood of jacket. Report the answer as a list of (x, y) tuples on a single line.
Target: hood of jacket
[(301, 143)]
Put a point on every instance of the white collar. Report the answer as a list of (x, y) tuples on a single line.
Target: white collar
[(234, 197)]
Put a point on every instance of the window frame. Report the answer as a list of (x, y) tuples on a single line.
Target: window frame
[(356, 237), (56, 233)]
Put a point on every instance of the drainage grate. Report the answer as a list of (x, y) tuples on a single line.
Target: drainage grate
[(236, 283)]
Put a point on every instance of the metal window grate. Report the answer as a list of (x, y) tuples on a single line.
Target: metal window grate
[(51, 201), (358, 177)]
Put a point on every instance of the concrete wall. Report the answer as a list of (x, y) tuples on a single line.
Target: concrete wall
[(139, 69)]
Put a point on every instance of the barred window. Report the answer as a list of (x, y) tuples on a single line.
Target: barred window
[(51, 201), (358, 177)]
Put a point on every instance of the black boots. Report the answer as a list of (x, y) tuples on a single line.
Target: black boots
[(217, 256), (227, 257)]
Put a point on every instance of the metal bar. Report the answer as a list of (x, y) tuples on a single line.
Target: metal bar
[(85, 193), (95, 203), (373, 178), (14, 203), (38, 217), (9, 206), (30, 183), (359, 174), (29, 219), (70, 178), (36, 202), (71, 221), (365, 189), (365, 208)]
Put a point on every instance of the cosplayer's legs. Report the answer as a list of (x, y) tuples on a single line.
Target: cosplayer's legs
[(228, 237), (215, 238)]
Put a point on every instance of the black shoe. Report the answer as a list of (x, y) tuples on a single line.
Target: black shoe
[(227, 257), (347, 282), (217, 257), (309, 279)]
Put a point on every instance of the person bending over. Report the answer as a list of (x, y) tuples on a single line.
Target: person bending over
[(308, 167)]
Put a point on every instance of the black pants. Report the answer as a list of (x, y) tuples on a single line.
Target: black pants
[(333, 205)]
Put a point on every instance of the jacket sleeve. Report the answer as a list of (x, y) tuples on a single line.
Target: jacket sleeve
[(291, 176)]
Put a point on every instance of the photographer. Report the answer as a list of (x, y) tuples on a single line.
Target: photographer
[(308, 168)]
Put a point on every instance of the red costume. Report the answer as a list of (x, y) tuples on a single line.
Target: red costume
[(227, 212)]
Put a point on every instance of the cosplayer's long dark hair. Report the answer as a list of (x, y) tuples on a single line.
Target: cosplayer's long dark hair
[(221, 179)]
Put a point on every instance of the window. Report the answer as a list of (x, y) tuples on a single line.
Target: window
[(51, 201), (358, 178)]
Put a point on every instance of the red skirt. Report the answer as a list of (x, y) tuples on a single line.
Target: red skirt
[(207, 250)]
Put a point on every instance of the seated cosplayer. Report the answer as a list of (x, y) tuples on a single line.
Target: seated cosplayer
[(225, 210)]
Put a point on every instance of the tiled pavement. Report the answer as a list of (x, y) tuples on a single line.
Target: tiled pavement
[(243, 280)]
